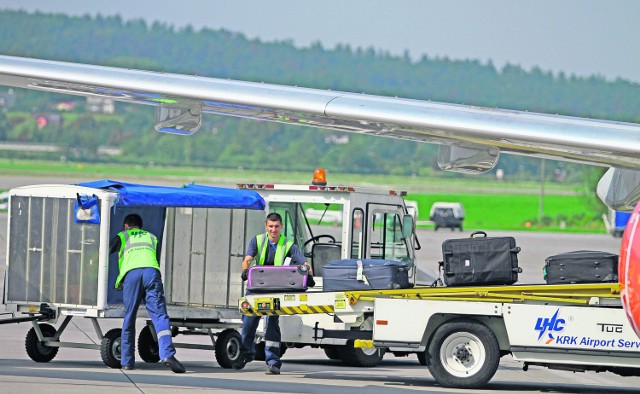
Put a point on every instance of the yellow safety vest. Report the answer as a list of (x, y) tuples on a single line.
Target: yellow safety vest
[(282, 248), (137, 250)]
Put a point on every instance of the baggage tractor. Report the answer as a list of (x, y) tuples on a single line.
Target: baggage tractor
[(269, 278), (365, 274), (581, 266), (480, 260)]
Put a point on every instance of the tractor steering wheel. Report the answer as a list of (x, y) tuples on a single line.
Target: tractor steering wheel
[(318, 237)]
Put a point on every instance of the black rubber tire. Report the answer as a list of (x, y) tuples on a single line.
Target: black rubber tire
[(148, 349), (422, 358), (35, 349), (357, 357), (332, 352), (463, 354), (227, 347), (110, 348)]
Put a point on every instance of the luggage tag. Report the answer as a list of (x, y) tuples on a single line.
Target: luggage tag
[(360, 273)]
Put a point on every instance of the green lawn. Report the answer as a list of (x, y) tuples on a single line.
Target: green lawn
[(489, 204), (518, 212)]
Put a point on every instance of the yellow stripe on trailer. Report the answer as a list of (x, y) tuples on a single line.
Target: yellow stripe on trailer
[(271, 307), (306, 309)]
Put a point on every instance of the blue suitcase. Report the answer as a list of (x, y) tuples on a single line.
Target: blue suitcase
[(365, 274)]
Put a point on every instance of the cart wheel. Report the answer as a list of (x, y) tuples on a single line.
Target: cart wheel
[(227, 347), (360, 357), (464, 354), (422, 358), (332, 352), (110, 348), (35, 349), (147, 346)]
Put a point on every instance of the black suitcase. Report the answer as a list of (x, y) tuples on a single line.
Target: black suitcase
[(269, 278), (581, 266), (365, 274), (480, 260)]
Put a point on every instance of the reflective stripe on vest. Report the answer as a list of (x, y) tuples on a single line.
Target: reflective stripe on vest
[(150, 242), (282, 249)]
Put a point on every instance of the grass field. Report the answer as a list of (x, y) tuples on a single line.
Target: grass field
[(519, 212), (489, 204)]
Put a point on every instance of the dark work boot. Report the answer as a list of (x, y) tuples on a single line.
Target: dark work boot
[(175, 365), (241, 361)]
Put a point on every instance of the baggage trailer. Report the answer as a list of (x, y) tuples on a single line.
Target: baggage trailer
[(59, 269), (460, 333)]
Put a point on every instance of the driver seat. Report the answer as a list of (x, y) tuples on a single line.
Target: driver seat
[(321, 254)]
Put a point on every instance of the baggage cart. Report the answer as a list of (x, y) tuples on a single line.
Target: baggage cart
[(59, 269)]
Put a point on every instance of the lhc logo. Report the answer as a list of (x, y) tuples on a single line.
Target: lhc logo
[(550, 325)]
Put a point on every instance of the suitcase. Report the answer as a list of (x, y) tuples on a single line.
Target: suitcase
[(269, 278), (582, 266), (365, 274), (480, 260)]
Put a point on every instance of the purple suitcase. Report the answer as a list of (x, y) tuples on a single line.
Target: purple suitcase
[(269, 278)]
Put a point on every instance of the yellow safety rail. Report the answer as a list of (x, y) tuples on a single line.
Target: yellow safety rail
[(576, 294), (571, 293)]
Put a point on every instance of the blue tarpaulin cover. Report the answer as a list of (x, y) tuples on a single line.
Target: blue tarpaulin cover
[(191, 195)]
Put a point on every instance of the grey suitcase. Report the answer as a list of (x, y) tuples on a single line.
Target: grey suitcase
[(581, 266), (365, 274), (269, 278)]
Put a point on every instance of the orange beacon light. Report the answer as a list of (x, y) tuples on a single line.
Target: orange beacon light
[(319, 177)]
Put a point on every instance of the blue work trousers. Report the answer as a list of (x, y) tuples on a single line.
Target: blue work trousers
[(272, 338), (144, 284)]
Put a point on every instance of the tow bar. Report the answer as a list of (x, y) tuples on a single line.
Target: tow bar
[(45, 313)]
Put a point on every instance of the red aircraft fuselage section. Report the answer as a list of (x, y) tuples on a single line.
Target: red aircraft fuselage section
[(629, 270)]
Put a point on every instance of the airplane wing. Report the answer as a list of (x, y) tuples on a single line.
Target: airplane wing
[(470, 138)]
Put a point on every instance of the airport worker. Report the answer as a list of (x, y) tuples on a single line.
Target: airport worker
[(139, 278), (269, 248)]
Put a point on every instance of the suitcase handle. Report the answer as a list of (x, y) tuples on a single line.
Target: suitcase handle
[(478, 233)]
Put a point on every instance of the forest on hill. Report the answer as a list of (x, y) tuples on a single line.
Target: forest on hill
[(224, 142)]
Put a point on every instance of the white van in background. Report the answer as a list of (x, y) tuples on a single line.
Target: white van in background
[(447, 214)]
